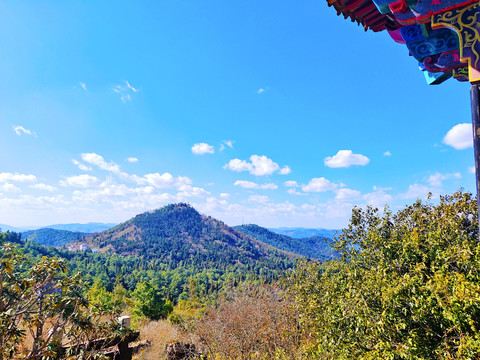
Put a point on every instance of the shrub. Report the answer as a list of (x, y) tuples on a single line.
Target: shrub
[(407, 286)]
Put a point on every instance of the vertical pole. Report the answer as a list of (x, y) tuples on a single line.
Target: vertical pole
[(474, 94)]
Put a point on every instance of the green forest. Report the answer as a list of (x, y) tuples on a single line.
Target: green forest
[(405, 285)]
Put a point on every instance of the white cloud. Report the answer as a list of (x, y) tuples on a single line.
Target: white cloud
[(19, 130), (378, 188), (187, 191), (285, 170), (346, 158), (202, 148), (347, 194), (225, 195), (165, 180), (83, 85), (43, 187), (377, 198), (387, 153), (261, 90), (437, 178), (471, 169), (261, 199), (82, 181), (99, 161), (238, 165), (460, 136), (81, 166), (258, 165), (132, 159), (295, 192), (416, 191), (290, 183), (319, 185), (10, 187), (4, 177), (252, 185)]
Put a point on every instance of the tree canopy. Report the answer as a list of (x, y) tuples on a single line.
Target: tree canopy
[(407, 286)]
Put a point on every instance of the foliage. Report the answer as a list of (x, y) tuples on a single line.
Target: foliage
[(251, 323), (316, 247), (407, 286), (40, 308), (186, 313), (168, 248), (148, 302), (52, 237)]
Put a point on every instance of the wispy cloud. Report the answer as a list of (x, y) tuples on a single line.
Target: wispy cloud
[(99, 161), (262, 90), (20, 130), (83, 85), (258, 165), (459, 137), (132, 159), (226, 143), (7, 187), (437, 178), (377, 198), (202, 148), (251, 185), (346, 158), (348, 194), (4, 177), (387, 153), (290, 183), (45, 187), (416, 191), (125, 91), (81, 166), (82, 181)]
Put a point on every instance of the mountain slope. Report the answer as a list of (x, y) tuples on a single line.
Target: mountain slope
[(52, 237), (314, 247), (179, 234)]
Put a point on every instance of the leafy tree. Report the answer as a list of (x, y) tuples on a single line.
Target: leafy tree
[(39, 303), (99, 296), (148, 302), (407, 286)]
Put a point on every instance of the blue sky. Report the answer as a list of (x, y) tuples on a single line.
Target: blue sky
[(272, 112)]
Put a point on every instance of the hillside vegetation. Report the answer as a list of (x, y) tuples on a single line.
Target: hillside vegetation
[(52, 237), (316, 247), (171, 246)]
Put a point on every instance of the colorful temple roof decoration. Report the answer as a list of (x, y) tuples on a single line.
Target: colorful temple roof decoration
[(442, 35)]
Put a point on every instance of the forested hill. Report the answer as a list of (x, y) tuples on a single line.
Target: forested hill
[(314, 247), (177, 234), (52, 237)]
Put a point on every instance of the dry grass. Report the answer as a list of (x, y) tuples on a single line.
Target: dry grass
[(160, 333)]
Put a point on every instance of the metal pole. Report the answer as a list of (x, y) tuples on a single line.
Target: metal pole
[(474, 95)]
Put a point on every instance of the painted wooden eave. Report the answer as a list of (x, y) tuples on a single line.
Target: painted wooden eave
[(365, 13)]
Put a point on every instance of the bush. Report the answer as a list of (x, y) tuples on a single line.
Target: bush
[(255, 323), (407, 286)]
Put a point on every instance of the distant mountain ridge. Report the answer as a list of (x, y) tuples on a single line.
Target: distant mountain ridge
[(90, 227), (316, 247), (301, 233)]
